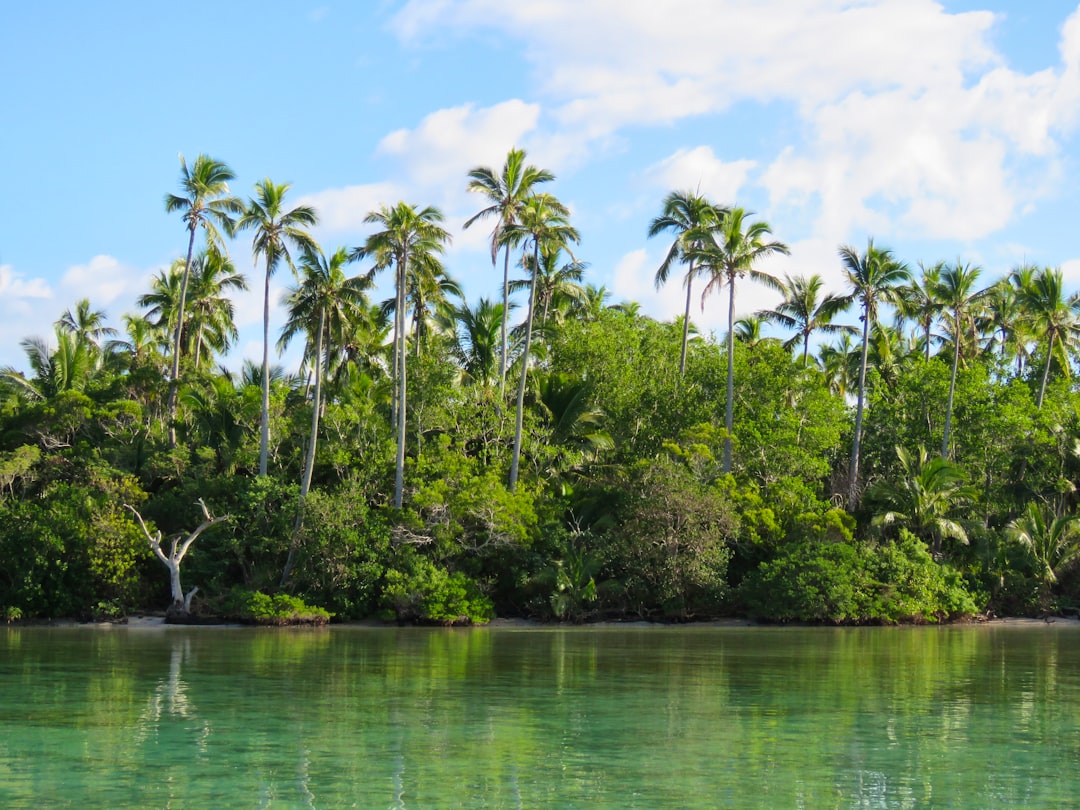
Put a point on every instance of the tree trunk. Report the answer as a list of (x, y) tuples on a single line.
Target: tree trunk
[(502, 333), (729, 409), (1046, 372), (399, 463), (174, 381), (949, 404), (264, 421), (309, 460), (515, 459), (686, 320), (853, 483)]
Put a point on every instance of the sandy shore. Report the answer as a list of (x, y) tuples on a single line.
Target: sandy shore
[(151, 622)]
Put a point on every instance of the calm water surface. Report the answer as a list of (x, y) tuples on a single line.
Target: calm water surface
[(965, 717)]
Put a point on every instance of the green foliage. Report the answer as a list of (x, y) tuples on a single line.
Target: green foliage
[(253, 607), (851, 582), (417, 590)]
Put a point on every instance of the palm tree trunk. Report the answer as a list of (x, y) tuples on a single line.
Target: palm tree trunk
[(264, 423), (729, 409), (805, 347), (1046, 372), (399, 316), (504, 347), (686, 320), (309, 460), (174, 381), (520, 413), (853, 483), (949, 405)]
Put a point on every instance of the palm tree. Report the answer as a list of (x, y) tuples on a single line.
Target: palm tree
[(476, 343), (276, 230), (408, 236), (1003, 326), (874, 276), (506, 192), (1054, 541), (428, 291), (1053, 314), (922, 499), (955, 293), (840, 364), (806, 311), (210, 325), (917, 301), (206, 203), (728, 251), (684, 213), (324, 294), (87, 324), (68, 367), (543, 223), (553, 282)]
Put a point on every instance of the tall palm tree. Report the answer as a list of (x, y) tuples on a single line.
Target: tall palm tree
[(554, 282), (840, 364), (506, 192), (476, 344), (323, 294), (922, 500), (917, 301), (727, 251), (210, 326), (684, 213), (544, 223), (874, 276), (955, 292), (1051, 313), (1003, 326), (86, 323), (428, 293), (806, 311), (276, 230), (206, 203), (407, 236)]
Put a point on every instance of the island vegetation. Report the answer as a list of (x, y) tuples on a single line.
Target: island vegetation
[(543, 452)]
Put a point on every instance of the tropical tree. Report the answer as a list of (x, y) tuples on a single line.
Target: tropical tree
[(727, 251), (1053, 314), (923, 498), (67, 367), (206, 203), (211, 326), (506, 192), (1003, 325), (428, 293), (276, 231), (545, 225), (476, 340), (873, 276), (1053, 540), (917, 301), (324, 294), (688, 216), (956, 294), (85, 323), (408, 236), (805, 310), (554, 282)]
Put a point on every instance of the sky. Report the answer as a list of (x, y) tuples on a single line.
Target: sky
[(942, 130)]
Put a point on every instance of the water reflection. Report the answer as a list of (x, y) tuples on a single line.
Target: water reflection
[(347, 717)]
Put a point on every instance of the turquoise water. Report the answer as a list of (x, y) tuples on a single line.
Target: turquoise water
[(979, 717)]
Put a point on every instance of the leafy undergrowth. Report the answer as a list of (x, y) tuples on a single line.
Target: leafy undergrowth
[(253, 607)]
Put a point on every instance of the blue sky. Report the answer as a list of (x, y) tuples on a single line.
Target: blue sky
[(943, 130)]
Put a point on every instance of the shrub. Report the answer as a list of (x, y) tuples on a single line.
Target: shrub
[(419, 591), (253, 607)]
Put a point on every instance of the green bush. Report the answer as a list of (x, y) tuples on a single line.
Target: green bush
[(253, 607), (850, 582), (419, 591)]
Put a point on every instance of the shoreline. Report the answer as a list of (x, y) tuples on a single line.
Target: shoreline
[(157, 623)]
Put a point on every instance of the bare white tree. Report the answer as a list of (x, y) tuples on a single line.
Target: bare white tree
[(181, 602)]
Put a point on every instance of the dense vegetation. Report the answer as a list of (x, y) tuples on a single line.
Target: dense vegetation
[(557, 456)]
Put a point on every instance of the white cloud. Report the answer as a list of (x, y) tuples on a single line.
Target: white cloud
[(14, 289), (447, 143), (342, 210), (103, 280), (913, 123), (701, 171)]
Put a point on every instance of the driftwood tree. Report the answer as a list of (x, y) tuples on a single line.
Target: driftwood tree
[(181, 602)]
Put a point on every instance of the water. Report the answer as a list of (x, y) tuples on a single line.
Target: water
[(979, 717)]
